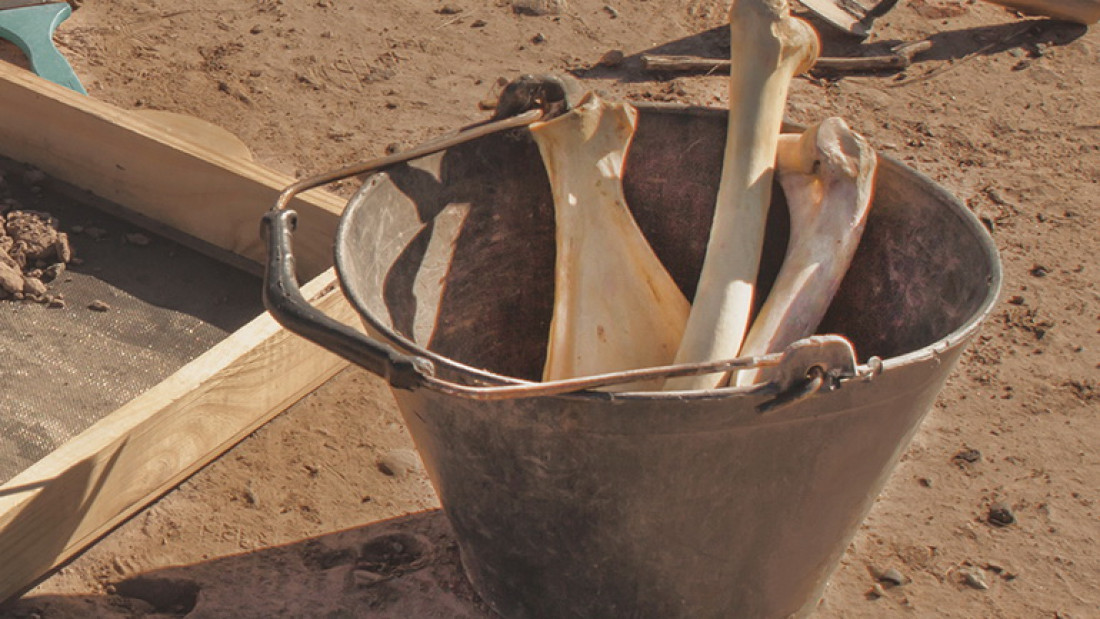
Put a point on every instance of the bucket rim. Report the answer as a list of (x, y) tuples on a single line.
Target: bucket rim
[(475, 375)]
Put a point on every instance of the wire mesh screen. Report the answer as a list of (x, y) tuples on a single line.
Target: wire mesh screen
[(137, 307)]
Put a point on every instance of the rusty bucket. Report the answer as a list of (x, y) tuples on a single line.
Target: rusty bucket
[(569, 502)]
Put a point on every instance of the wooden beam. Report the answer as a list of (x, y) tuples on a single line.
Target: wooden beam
[(94, 482), (134, 161)]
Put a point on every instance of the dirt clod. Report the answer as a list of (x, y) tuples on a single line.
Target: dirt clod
[(30, 240), (1000, 515), (99, 306)]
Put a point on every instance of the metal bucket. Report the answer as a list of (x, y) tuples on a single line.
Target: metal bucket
[(589, 504)]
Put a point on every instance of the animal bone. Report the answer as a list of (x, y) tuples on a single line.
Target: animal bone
[(827, 175), (769, 47), (1082, 11), (615, 305)]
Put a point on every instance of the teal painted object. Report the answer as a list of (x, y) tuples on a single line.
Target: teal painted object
[(31, 28)]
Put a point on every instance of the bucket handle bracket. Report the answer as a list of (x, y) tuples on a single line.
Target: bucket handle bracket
[(809, 366)]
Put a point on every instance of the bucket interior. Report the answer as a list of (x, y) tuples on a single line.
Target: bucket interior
[(452, 256)]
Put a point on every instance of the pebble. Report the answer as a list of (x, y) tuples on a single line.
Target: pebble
[(1000, 515), (137, 238), (538, 38), (876, 592), (98, 306), (969, 456), (399, 462), (1039, 271), (33, 286), (610, 10), (56, 303), (448, 9), (612, 58), (891, 577), (95, 233), (974, 578)]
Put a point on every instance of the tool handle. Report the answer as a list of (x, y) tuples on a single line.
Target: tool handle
[(31, 29)]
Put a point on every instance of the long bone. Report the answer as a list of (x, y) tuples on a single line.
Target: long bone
[(768, 48), (615, 305), (827, 175)]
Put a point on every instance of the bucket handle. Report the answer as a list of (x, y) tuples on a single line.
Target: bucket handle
[(805, 368)]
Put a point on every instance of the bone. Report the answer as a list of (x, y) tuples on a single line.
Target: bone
[(827, 175), (768, 48), (1081, 11), (615, 306)]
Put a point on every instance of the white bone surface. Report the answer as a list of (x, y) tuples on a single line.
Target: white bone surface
[(768, 48), (827, 175), (1083, 11), (615, 305)]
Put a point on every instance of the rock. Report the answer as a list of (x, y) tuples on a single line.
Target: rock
[(399, 462), (610, 10), (56, 303), (1000, 515), (53, 271), (34, 234), (448, 9), (62, 248), (11, 278), (612, 58), (876, 592), (538, 7), (137, 238), (974, 578), (967, 456), (892, 577), (99, 306), (538, 38), (33, 286), (1039, 271)]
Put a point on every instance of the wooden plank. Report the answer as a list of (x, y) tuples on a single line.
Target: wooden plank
[(64, 502), (67, 500), (133, 161)]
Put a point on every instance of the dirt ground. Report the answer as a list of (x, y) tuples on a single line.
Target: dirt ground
[(300, 521)]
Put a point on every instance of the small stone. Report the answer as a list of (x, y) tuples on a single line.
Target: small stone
[(95, 233), (448, 9), (538, 7), (33, 286), (399, 462), (53, 271), (974, 578), (967, 456), (1000, 515), (610, 10), (11, 278), (1039, 271), (892, 577), (98, 306), (612, 58), (538, 38), (925, 482), (876, 592), (56, 303), (62, 248), (1017, 300), (479, 23), (137, 238)]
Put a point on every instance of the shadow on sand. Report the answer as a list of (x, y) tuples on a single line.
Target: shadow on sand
[(400, 568)]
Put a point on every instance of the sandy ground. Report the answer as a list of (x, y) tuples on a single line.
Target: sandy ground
[(1002, 111)]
